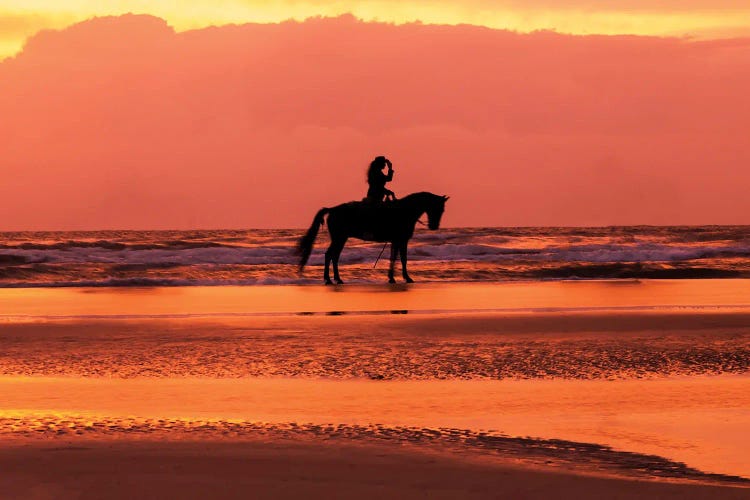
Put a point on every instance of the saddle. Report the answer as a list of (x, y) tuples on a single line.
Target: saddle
[(375, 217)]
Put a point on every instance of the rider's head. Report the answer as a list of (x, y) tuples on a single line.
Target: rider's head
[(378, 163)]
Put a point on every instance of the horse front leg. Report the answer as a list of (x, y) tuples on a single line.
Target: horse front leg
[(405, 274), (337, 249), (394, 254)]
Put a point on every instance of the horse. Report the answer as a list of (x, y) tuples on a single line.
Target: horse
[(390, 222)]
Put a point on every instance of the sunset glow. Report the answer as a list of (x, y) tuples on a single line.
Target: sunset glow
[(699, 18)]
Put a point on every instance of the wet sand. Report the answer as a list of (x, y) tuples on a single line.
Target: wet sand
[(147, 469), (567, 385), (55, 303)]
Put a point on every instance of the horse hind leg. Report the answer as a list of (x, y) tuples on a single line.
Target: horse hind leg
[(328, 258), (326, 273), (332, 255)]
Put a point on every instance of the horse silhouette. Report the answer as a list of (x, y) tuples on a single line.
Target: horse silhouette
[(391, 222)]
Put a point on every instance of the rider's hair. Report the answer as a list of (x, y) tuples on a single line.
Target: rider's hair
[(377, 164)]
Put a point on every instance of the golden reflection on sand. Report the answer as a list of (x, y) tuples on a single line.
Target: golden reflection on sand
[(701, 421)]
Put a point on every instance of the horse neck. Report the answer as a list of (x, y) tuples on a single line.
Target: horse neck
[(415, 206)]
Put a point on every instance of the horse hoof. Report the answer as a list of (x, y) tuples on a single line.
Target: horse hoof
[(391, 280), (409, 280), (329, 282), (339, 282)]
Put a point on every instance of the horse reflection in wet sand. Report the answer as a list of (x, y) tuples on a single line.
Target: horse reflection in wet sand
[(392, 222)]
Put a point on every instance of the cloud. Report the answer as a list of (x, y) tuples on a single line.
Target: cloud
[(114, 120), (696, 18), (16, 27)]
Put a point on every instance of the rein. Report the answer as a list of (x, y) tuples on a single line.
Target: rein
[(386, 244), (381, 254)]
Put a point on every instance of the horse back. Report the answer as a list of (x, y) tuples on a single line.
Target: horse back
[(365, 220)]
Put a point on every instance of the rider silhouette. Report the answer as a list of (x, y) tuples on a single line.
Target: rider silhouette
[(377, 179)]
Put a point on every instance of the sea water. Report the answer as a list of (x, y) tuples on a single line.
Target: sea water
[(267, 256)]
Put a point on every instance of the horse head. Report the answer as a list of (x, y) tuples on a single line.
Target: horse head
[(435, 210)]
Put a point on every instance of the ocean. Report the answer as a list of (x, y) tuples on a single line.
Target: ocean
[(266, 256)]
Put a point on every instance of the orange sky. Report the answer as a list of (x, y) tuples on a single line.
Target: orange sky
[(125, 122)]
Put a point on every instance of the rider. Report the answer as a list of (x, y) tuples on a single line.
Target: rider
[(377, 179)]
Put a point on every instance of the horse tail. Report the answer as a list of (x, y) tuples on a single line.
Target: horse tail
[(305, 245)]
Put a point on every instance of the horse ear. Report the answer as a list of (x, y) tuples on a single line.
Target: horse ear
[(446, 198)]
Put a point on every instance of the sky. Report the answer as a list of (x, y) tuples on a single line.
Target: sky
[(223, 115)]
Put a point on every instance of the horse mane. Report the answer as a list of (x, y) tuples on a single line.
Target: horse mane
[(419, 195)]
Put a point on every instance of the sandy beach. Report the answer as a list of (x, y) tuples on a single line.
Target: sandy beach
[(526, 389)]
